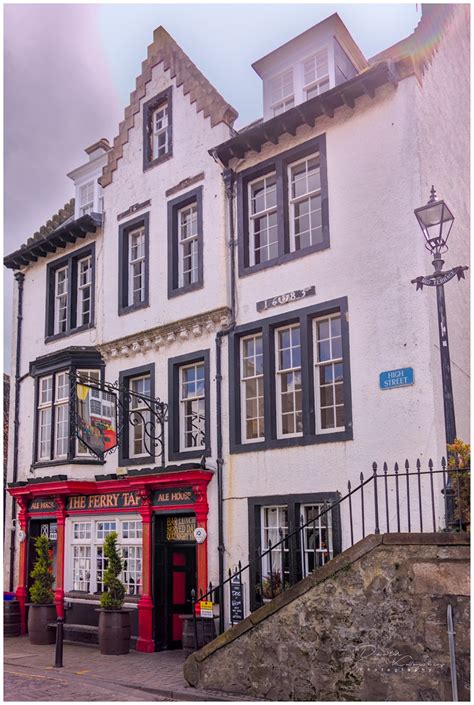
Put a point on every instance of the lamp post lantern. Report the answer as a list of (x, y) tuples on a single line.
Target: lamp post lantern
[(436, 220)]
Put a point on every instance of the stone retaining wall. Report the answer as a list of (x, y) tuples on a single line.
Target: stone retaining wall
[(370, 625)]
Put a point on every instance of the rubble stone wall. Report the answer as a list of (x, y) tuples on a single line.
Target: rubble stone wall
[(370, 625)]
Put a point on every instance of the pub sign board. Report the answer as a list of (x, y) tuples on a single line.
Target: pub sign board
[(42, 505), (169, 496), (236, 601), (403, 377)]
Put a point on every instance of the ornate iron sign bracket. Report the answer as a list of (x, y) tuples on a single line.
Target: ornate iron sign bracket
[(439, 278), (132, 409)]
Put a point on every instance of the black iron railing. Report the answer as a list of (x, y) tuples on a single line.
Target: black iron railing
[(401, 501)]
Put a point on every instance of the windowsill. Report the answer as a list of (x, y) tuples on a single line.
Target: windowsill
[(142, 460), (83, 595), (73, 331), (149, 164), (282, 259), (189, 454), (172, 293), (334, 437), (74, 461), (123, 310)]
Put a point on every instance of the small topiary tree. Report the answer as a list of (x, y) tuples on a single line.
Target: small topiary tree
[(113, 598), (41, 592)]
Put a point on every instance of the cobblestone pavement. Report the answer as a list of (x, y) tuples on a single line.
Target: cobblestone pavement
[(87, 675)]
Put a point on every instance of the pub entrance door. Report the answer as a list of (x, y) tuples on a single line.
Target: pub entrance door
[(174, 577), (40, 527)]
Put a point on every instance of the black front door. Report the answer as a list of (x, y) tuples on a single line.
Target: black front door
[(175, 578)]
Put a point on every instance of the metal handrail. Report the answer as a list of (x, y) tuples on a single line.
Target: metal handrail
[(348, 497)]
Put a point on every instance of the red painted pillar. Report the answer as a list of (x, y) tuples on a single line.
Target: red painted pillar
[(202, 570), (21, 590), (202, 509), (59, 591), (145, 640)]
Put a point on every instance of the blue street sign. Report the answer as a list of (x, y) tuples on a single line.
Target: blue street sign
[(397, 378)]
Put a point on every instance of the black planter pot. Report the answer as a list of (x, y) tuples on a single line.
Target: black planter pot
[(39, 616), (114, 632)]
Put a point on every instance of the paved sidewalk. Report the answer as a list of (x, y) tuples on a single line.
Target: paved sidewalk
[(157, 676)]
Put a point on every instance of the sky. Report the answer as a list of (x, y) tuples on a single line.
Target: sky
[(69, 71)]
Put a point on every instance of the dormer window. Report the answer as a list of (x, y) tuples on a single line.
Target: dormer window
[(316, 74), (86, 198), (282, 92)]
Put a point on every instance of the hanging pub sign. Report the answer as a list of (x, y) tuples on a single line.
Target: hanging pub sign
[(96, 418)]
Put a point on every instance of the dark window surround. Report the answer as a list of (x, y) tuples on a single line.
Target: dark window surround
[(148, 109), (293, 502), (123, 278), (70, 261), (174, 365), (124, 381), (194, 196), (304, 317), (72, 359), (279, 164)]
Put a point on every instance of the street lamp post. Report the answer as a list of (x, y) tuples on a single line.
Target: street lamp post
[(436, 220)]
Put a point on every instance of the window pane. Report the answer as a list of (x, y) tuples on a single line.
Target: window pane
[(329, 378), (192, 406)]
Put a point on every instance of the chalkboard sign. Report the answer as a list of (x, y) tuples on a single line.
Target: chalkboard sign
[(236, 601)]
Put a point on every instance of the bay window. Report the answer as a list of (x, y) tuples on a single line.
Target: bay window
[(55, 435), (289, 379)]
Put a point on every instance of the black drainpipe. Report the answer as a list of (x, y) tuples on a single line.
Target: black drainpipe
[(228, 176), (19, 276)]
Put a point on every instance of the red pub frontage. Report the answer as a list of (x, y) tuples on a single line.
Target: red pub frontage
[(154, 512)]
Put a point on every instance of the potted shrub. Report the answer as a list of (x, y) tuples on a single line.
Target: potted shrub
[(114, 621), (42, 610), (459, 467)]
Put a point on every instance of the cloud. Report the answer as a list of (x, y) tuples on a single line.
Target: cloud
[(59, 99)]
